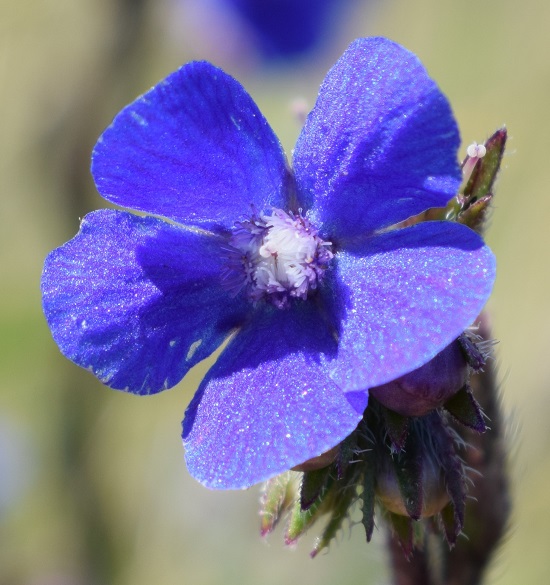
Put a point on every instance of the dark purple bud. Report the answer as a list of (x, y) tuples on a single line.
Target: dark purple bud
[(428, 387)]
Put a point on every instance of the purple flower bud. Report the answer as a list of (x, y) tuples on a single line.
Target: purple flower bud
[(427, 387)]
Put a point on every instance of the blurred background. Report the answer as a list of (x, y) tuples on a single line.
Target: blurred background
[(93, 486)]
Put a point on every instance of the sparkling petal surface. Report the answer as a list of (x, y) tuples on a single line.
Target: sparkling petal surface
[(194, 149), (380, 144), (404, 298), (137, 300), (267, 404)]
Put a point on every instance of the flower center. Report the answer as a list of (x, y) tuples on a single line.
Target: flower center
[(275, 257)]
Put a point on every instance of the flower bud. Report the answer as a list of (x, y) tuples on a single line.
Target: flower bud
[(427, 387)]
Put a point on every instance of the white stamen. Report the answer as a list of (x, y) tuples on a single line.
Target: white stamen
[(476, 150), (280, 256)]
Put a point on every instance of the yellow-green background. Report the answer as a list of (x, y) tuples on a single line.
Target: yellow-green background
[(101, 491)]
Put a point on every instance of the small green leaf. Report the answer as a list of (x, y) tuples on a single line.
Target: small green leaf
[(300, 520), (278, 496), (339, 511)]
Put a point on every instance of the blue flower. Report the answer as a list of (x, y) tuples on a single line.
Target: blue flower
[(245, 32), (318, 300), (287, 28)]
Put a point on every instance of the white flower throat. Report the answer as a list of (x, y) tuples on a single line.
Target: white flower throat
[(276, 257)]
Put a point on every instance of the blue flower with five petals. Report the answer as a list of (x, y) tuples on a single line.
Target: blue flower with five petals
[(297, 270)]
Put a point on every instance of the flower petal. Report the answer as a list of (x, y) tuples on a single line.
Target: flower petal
[(380, 144), (194, 149), (411, 293), (267, 404), (136, 300)]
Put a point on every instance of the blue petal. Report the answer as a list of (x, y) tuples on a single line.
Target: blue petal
[(194, 149), (137, 300), (267, 404), (412, 293), (380, 144)]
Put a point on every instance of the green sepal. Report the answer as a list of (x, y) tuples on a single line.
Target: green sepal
[(449, 522), (475, 215), (465, 409), (454, 474), (408, 469), (368, 494), (278, 496), (345, 455), (403, 529), (477, 194), (483, 176), (339, 510), (300, 520), (449, 212), (313, 484)]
